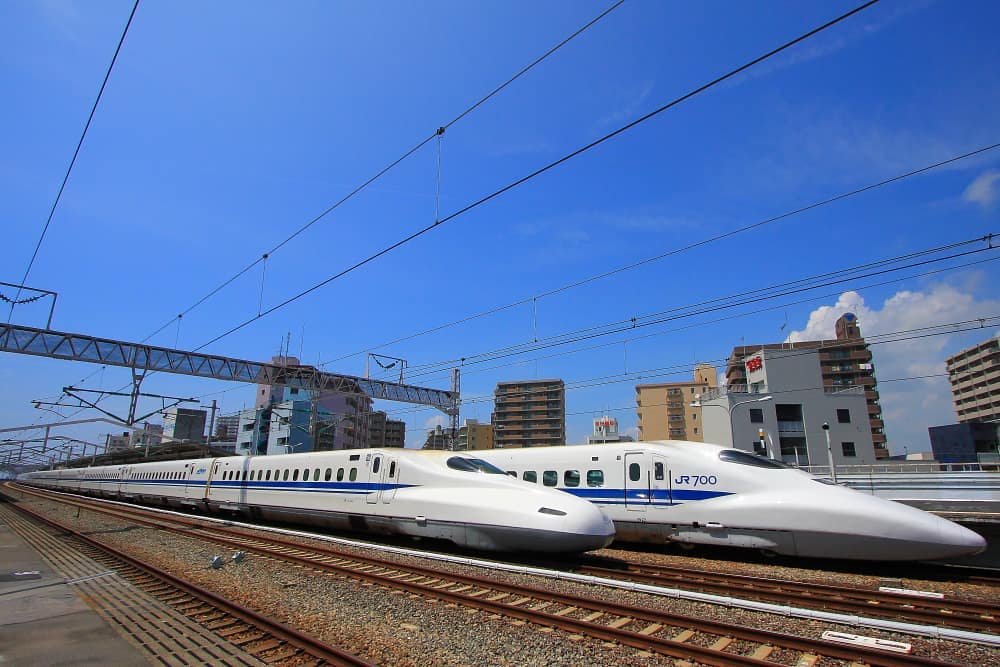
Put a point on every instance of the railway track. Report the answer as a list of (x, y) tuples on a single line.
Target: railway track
[(202, 618), (949, 612), (683, 637)]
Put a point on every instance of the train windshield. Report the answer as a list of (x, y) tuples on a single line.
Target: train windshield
[(473, 465), (748, 459)]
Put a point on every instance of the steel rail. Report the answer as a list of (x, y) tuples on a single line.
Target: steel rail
[(948, 612), (258, 544), (310, 645)]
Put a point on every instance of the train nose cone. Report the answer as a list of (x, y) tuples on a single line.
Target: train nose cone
[(958, 540)]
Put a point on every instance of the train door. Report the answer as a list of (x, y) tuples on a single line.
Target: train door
[(375, 472), (659, 483), (636, 482), (390, 479), (122, 480), (243, 482)]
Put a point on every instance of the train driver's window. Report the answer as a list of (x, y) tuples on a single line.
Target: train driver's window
[(571, 478), (353, 475), (512, 473), (595, 478), (658, 470), (550, 478), (329, 474), (340, 474), (316, 475), (392, 469), (634, 472), (376, 464), (530, 476), (295, 475)]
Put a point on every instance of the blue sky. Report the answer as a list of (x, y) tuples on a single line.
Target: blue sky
[(226, 126)]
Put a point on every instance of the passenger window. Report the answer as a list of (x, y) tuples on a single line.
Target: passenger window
[(295, 475), (284, 475), (392, 469), (634, 472), (329, 474), (340, 474), (550, 478), (316, 475), (530, 476), (571, 478), (376, 464), (305, 474), (267, 476), (658, 470), (595, 478), (354, 474)]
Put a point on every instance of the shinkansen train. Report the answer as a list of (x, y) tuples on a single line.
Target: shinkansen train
[(695, 493), (445, 495)]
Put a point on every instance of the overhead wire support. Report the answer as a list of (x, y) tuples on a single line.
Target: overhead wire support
[(549, 166), (72, 161)]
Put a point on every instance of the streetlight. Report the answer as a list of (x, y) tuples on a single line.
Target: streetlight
[(698, 404)]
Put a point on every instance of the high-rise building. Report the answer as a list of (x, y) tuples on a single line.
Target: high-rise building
[(974, 374), (844, 361), (472, 435), (665, 409), (117, 443), (226, 428), (437, 438), (529, 413), (180, 424), (385, 432)]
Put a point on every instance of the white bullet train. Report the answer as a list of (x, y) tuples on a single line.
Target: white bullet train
[(446, 495), (697, 493)]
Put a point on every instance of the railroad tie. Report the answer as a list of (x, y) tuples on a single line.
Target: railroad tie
[(650, 629), (721, 644), (762, 652), (684, 636), (566, 611), (620, 623), (807, 660)]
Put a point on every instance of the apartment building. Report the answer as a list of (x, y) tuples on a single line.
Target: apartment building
[(385, 432), (529, 413), (785, 412), (472, 435), (844, 361), (974, 374), (665, 410)]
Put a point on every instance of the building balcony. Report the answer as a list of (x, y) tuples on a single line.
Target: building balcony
[(791, 427)]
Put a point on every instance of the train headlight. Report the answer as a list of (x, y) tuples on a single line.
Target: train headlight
[(549, 510)]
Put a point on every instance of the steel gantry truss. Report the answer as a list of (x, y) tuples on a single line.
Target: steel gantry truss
[(149, 358)]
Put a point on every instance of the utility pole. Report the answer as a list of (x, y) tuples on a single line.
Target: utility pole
[(211, 427)]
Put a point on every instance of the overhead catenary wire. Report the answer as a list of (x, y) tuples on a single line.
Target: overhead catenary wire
[(704, 307), (676, 251), (72, 162), (538, 172), (686, 368), (423, 142)]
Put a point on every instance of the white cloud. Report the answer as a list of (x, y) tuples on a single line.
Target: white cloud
[(983, 190), (908, 407)]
